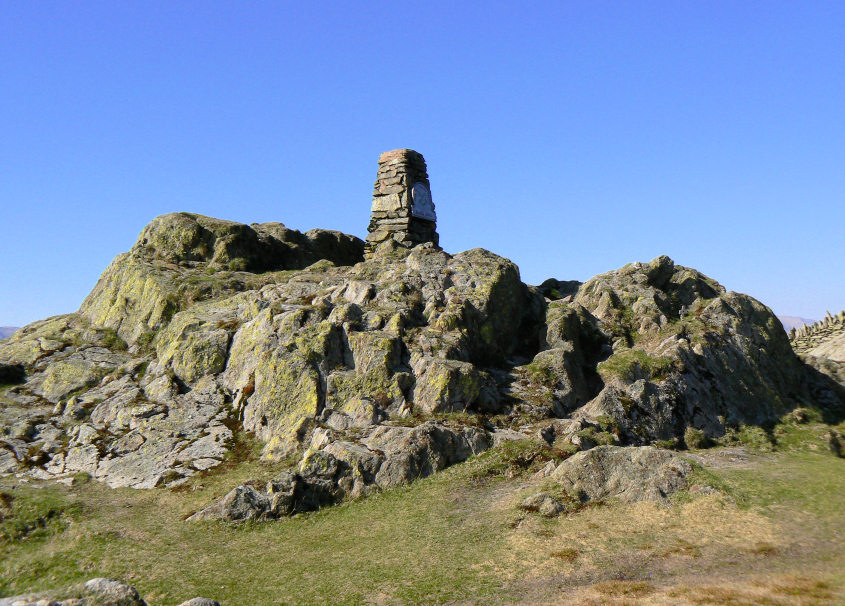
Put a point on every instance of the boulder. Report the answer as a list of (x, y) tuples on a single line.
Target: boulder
[(109, 592), (544, 504), (241, 504), (630, 474)]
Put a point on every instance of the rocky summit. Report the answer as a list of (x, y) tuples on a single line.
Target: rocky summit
[(366, 366), (247, 374)]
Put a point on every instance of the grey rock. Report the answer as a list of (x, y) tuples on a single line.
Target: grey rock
[(242, 503), (110, 592), (96, 592), (415, 452), (8, 462), (162, 389), (544, 504), (319, 357), (724, 360), (359, 292), (630, 474), (200, 602), (82, 458), (23, 430)]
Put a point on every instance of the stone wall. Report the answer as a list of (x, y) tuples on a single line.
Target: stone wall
[(402, 215), (809, 337)]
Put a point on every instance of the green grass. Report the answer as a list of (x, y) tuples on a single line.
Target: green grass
[(28, 514), (412, 543), (631, 364), (800, 430), (811, 482), (457, 536)]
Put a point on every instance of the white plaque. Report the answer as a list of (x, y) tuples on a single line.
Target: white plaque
[(422, 207)]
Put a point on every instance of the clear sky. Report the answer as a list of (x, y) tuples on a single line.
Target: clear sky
[(570, 137)]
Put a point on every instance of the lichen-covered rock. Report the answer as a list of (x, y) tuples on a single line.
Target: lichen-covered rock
[(630, 474), (110, 592), (446, 385), (206, 326), (96, 592), (186, 237), (196, 344), (414, 452), (331, 469), (241, 504), (684, 353), (168, 268)]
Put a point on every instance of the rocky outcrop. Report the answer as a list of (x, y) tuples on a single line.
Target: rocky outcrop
[(96, 592), (82, 407), (346, 346), (675, 351), (359, 369), (629, 474), (334, 468), (176, 255)]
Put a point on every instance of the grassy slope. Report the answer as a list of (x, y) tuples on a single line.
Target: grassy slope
[(454, 537)]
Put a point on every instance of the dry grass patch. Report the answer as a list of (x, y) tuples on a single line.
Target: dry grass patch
[(787, 591), (567, 555), (642, 539), (634, 589), (781, 591)]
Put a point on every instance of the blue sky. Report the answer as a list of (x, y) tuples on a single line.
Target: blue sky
[(570, 137)]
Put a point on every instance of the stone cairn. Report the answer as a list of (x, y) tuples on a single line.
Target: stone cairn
[(403, 214), (807, 337)]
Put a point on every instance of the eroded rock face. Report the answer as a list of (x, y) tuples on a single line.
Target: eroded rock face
[(207, 326), (169, 267), (85, 408), (333, 468), (679, 351)]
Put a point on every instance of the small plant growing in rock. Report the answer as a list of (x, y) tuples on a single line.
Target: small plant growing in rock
[(82, 477), (696, 438), (631, 364), (670, 444), (112, 340), (749, 436)]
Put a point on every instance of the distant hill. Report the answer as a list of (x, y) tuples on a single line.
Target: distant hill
[(794, 322), (7, 331)]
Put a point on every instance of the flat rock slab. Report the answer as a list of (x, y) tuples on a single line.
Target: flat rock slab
[(733, 457), (630, 474)]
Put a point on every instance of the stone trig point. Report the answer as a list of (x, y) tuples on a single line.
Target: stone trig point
[(403, 212)]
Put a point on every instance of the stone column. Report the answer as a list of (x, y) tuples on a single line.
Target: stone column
[(403, 214)]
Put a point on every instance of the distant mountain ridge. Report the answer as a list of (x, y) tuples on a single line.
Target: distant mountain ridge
[(790, 322), (7, 331)]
